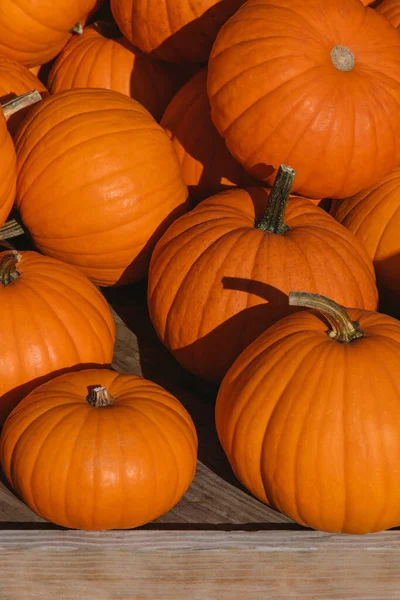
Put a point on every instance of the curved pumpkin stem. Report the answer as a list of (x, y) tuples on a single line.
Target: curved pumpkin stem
[(8, 267), (273, 219), (99, 397), (13, 106), (343, 329)]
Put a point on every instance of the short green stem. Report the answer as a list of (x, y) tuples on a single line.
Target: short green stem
[(273, 219)]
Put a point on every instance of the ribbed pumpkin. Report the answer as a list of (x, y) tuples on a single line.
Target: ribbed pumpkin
[(99, 450), (207, 165), (52, 320), (314, 102), (374, 217), (309, 417), (391, 10), (174, 30), (34, 33), (220, 275), (102, 58), (98, 182)]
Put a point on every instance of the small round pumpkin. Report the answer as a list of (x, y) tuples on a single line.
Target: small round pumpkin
[(34, 34), (220, 275), (98, 182), (391, 10), (309, 417), (314, 102), (374, 217), (52, 320), (98, 450), (102, 58), (174, 30), (207, 165)]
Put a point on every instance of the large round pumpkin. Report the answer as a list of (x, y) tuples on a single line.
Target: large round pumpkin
[(310, 419), (52, 319), (102, 58), (220, 275), (99, 450), (374, 217), (34, 33), (313, 101), (98, 182), (391, 10), (207, 165), (174, 30)]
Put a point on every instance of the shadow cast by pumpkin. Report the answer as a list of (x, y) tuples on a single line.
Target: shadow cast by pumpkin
[(388, 282)]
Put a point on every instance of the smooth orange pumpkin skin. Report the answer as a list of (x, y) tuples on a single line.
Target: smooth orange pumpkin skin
[(277, 98), (8, 179), (90, 468), (311, 425), (373, 216), (98, 182), (216, 282), (391, 10), (93, 60), (173, 30), (207, 165), (52, 319), (32, 33)]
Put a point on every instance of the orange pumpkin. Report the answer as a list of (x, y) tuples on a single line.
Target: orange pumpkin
[(391, 10), (314, 102), (101, 58), (374, 217), (207, 165), (220, 275), (52, 320), (174, 30), (98, 182), (309, 418), (99, 450), (33, 35)]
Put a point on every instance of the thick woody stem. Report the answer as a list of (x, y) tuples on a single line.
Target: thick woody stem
[(273, 219), (20, 102), (8, 267), (98, 397), (11, 229)]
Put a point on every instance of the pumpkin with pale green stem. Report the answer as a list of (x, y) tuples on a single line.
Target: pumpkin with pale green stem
[(98, 450), (312, 101), (220, 275), (310, 421)]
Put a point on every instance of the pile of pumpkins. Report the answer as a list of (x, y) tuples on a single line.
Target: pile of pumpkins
[(244, 158)]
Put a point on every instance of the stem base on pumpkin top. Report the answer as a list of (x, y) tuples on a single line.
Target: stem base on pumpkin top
[(343, 329), (76, 29), (98, 397), (8, 267), (273, 219)]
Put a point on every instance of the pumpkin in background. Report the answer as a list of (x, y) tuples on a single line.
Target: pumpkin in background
[(173, 30), (98, 450), (310, 421), (374, 217), (220, 275), (313, 102), (207, 165), (98, 182), (52, 320), (102, 58), (391, 10), (33, 35)]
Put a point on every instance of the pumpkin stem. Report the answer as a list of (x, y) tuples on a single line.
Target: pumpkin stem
[(11, 229), (20, 102), (273, 219), (343, 329), (98, 397), (343, 58), (76, 29), (8, 267)]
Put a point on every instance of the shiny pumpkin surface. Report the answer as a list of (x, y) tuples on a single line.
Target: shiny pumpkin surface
[(174, 30), (391, 10), (52, 319), (277, 97), (96, 60), (311, 425), (98, 182), (94, 468), (216, 282), (8, 180)]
